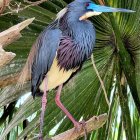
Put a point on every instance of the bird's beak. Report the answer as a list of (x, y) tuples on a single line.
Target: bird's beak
[(95, 9)]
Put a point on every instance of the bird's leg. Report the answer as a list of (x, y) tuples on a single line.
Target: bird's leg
[(44, 102), (77, 125)]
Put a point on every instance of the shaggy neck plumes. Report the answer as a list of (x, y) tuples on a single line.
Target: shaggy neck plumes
[(77, 41)]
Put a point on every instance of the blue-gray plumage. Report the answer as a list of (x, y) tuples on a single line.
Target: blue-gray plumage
[(73, 39), (61, 49), (46, 51)]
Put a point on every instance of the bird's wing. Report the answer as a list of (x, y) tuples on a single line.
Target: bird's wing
[(47, 45), (41, 57)]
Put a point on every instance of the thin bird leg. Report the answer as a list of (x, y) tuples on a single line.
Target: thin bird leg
[(77, 125), (44, 102)]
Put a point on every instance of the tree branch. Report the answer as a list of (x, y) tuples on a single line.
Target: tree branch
[(13, 33), (9, 79), (92, 124), (7, 37), (5, 57)]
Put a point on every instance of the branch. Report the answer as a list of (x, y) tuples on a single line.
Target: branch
[(35, 3), (31, 4), (13, 33), (92, 124), (3, 4), (7, 37), (5, 57), (101, 2), (9, 80), (19, 8)]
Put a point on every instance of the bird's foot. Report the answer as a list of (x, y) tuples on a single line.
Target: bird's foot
[(40, 137), (79, 126)]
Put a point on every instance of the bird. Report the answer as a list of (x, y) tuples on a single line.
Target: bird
[(60, 51)]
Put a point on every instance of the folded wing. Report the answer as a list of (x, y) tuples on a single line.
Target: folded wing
[(46, 48)]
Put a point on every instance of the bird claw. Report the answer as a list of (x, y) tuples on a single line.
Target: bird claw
[(40, 137), (79, 126)]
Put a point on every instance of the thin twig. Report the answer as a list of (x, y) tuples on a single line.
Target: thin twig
[(35, 3), (4, 3), (2, 6), (101, 2), (101, 81), (18, 9)]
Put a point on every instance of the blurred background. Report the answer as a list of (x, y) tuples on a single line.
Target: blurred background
[(116, 55)]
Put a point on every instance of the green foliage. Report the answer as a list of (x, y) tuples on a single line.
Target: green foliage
[(117, 57)]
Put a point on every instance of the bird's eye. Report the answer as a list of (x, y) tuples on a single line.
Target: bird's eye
[(87, 4)]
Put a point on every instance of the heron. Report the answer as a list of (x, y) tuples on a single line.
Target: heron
[(61, 49)]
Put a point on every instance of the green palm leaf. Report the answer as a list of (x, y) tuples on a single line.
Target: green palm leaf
[(117, 57)]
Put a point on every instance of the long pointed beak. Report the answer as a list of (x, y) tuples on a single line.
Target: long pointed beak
[(100, 8), (95, 9)]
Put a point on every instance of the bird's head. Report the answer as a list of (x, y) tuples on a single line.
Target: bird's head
[(86, 8)]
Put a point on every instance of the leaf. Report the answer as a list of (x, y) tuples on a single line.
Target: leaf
[(117, 43)]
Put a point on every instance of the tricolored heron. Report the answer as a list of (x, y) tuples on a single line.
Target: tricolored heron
[(61, 49)]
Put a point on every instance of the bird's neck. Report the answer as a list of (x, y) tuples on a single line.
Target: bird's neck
[(82, 32), (82, 35), (78, 30)]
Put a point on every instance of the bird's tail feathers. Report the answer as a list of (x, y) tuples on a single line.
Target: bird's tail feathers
[(25, 74)]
